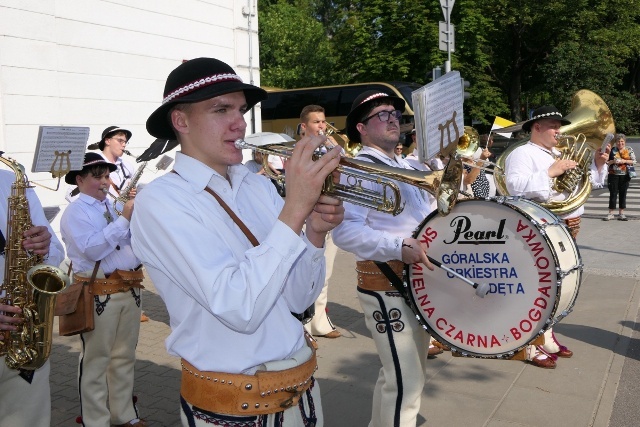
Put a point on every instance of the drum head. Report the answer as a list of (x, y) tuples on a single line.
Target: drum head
[(495, 243)]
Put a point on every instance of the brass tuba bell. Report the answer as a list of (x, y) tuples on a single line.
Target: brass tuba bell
[(591, 120)]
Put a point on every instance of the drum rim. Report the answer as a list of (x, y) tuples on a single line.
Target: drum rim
[(548, 323)]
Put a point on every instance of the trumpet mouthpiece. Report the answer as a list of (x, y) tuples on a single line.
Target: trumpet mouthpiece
[(240, 143), (104, 190)]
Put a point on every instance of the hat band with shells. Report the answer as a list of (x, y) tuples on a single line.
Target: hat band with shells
[(374, 96), (547, 116), (199, 84)]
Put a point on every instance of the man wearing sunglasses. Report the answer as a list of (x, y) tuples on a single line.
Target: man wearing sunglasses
[(373, 237)]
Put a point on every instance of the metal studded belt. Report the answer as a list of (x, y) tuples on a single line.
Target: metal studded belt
[(266, 392), (371, 278)]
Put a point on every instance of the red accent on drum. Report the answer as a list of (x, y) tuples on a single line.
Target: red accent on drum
[(516, 248)]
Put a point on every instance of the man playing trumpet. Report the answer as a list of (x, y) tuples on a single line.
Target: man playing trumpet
[(229, 258)]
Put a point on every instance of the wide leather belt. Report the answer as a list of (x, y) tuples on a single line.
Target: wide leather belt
[(371, 278), (573, 224), (118, 281), (266, 392)]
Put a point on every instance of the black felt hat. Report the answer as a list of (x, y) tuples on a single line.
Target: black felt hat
[(108, 133), (545, 112), (90, 159), (362, 103), (194, 81)]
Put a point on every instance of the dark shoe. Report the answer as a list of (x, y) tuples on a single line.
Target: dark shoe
[(333, 334), (564, 352), (134, 423), (144, 317), (546, 363), (434, 351)]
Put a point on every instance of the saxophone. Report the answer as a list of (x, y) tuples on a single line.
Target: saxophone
[(28, 284), (123, 197)]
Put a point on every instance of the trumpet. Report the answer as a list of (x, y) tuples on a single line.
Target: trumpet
[(443, 184)]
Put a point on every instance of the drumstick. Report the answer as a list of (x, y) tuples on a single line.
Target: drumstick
[(481, 289)]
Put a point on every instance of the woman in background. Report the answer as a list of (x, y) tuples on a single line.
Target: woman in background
[(621, 158)]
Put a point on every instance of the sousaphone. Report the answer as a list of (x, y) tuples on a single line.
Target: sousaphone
[(590, 120)]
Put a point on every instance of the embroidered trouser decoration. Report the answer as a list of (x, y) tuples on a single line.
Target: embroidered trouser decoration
[(401, 344)]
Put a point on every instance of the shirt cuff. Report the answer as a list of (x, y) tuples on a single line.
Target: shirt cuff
[(287, 243)]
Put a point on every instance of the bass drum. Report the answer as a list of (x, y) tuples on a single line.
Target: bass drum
[(522, 250)]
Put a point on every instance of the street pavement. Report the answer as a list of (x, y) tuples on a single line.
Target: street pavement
[(598, 386)]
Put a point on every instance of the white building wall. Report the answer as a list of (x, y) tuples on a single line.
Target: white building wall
[(98, 63)]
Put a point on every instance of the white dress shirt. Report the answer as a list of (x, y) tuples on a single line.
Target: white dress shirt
[(230, 303), (378, 236), (89, 237), (123, 173), (56, 250), (527, 175)]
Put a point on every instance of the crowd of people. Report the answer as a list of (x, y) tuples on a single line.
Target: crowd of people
[(235, 259)]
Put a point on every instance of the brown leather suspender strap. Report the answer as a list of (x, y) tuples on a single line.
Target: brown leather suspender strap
[(234, 217), (232, 214)]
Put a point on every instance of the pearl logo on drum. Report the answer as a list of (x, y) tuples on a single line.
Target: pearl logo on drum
[(464, 235)]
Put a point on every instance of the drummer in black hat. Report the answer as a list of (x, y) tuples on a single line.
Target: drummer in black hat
[(529, 172), (195, 230), (372, 236)]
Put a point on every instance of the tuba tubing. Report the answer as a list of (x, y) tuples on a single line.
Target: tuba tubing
[(591, 120)]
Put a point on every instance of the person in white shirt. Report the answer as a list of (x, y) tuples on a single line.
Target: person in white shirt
[(400, 340), (112, 149), (25, 395), (112, 146), (98, 244), (529, 172), (314, 122), (228, 256)]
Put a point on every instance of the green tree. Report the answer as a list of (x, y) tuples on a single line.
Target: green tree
[(294, 49)]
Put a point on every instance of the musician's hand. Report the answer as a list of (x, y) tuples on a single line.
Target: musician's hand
[(37, 240), (601, 158), (413, 251), (326, 216), (485, 154), (127, 209), (304, 179), (133, 192), (7, 323), (561, 166)]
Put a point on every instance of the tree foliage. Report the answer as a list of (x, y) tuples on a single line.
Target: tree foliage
[(517, 54)]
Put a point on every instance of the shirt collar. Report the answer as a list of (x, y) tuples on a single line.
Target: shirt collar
[(198, 175)]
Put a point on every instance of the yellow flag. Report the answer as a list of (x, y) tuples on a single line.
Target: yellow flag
[(499, 123)]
